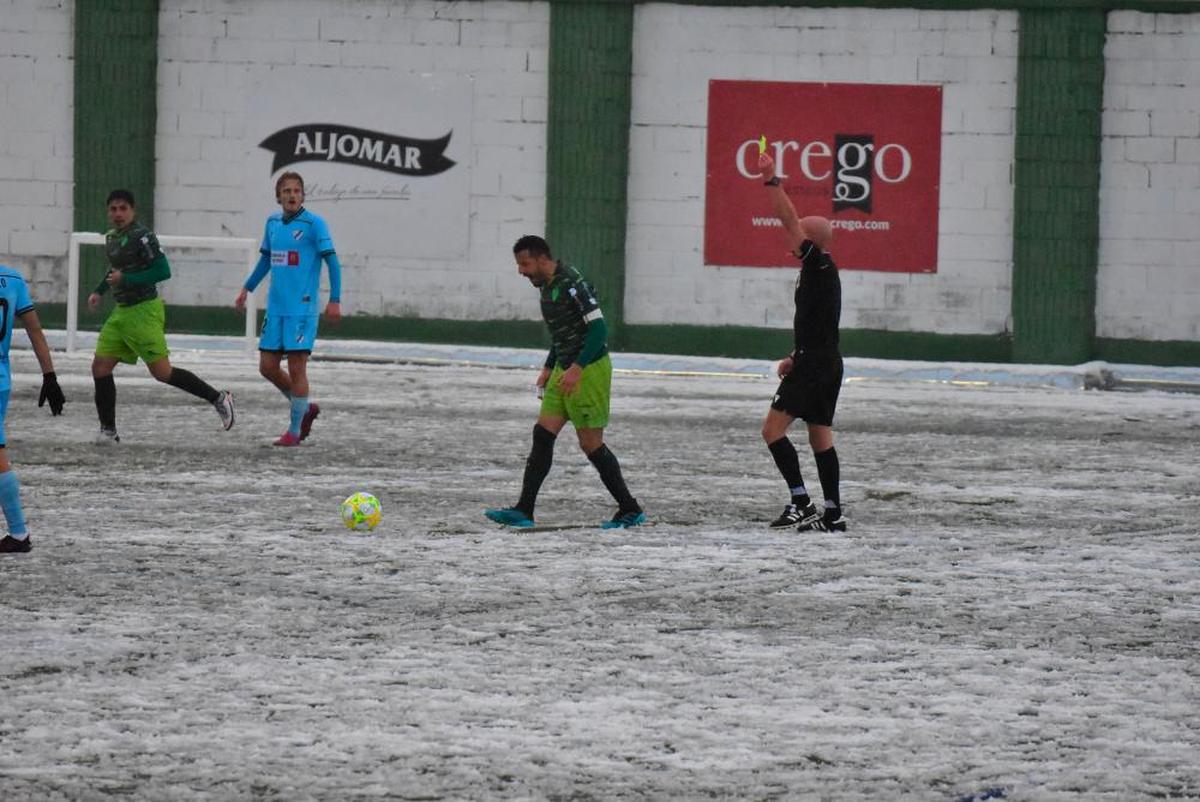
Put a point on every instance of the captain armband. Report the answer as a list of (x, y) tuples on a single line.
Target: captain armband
[(595, 314)]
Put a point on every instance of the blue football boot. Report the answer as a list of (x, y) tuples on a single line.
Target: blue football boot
[(510, 516), (624, 520)]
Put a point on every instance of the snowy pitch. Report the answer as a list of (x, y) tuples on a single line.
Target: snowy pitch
[(1014, 611)]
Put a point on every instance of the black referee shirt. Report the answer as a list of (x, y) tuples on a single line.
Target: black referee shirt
[(818, 301)]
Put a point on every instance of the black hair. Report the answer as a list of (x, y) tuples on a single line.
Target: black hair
[(534, 244), (120, 194)]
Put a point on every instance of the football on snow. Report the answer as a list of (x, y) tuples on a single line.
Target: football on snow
[(361, 512)]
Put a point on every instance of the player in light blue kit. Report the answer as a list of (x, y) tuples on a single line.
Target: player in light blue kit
[(15, 302), (294, 244)]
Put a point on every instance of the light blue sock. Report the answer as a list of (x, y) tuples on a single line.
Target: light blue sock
[(299, 407), (10, 500)]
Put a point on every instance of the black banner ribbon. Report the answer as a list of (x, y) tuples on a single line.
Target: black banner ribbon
[(346, 145)]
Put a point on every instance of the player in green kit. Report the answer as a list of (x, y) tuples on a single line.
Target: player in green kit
[(137, 327), (576, 381)]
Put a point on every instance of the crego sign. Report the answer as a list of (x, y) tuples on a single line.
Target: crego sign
[(867, 156)]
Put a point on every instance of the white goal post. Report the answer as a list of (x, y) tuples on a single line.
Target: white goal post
[(78, 238)]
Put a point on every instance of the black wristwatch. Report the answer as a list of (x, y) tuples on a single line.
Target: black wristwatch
[(774, 182)]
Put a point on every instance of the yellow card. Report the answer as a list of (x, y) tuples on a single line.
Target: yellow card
[(762, 144)]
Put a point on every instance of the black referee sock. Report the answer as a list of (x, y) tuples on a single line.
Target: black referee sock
[(829, 471), (610, 473), (787, 461), (537, 465), (106, 401), (186, 380)]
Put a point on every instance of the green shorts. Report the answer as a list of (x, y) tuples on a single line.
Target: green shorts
[(135, 331), (587, 407)]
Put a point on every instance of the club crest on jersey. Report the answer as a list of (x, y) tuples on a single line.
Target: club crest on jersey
[(297, 234)]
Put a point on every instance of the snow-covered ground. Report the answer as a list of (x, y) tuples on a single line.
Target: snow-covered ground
[(1015, 609)]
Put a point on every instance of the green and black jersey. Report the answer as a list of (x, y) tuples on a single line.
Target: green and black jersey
[(134, 250), (569, 306)]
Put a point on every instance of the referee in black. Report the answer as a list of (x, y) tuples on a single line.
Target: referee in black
[(811, 376)]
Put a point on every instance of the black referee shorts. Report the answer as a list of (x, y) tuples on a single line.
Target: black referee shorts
[(810, 391)]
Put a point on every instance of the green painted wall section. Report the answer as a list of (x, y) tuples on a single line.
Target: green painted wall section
[(591, 57), (116, 114), (1060, 94), (733, 341), (1166, 6), (1169, 353)]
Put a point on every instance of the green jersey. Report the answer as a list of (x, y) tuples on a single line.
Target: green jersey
[(131, 250), (568, 305)]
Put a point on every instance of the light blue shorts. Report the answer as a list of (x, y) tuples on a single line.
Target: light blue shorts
[(288, 333)]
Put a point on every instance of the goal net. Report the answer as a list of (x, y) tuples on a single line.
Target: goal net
[(213, 281)]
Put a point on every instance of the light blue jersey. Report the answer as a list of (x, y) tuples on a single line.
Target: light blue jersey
[(294, 249), (14, 301)]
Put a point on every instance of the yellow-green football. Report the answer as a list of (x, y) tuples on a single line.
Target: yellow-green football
[(361, 512)]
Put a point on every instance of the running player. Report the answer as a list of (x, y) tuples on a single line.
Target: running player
[(576, 381), (811, 376), (15, 302), (137, 326), (294, 243)]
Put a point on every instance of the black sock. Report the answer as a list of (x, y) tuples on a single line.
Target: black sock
[(610, 473), (827, 469), (186, 380), (788, 463), (106, 401), (537, 465)]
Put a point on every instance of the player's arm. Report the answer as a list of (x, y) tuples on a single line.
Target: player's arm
[(333, 309), (594, 339), (50, 392), (781, 203), (547, 367), (152, 265), (254, 279), (158, 270)]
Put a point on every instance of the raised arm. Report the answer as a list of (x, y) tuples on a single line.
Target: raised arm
[(781, 203)]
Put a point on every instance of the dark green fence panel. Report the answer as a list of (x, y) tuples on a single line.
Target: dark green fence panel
[(1060, 94), (587, 161), (116, 113)]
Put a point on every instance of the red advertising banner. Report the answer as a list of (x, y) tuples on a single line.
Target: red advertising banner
[(867, 156)]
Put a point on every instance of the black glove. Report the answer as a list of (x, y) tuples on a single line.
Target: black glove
[(51, 392)]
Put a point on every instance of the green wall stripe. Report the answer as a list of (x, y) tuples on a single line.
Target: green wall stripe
[(1169, 353), (587, 161), (732, 341), (116, 114), (1164, 6), (1060, 94)]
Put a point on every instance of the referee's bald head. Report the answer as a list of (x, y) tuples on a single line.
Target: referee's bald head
[(818, 230)]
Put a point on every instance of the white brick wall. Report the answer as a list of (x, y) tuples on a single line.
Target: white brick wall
[(36, 173), (209, 49), (1148, 281), (678, 49)]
